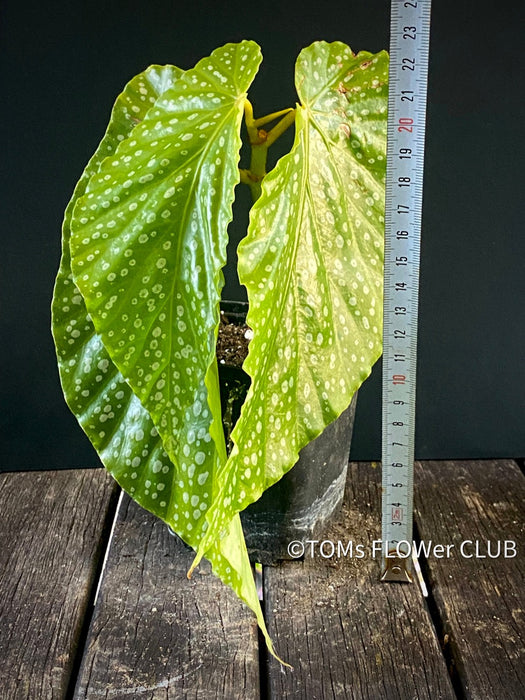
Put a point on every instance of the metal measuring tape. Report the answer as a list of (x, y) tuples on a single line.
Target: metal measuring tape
[(409, 46)]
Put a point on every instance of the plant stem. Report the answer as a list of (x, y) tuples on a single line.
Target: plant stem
[(260, 141), (257, 168)]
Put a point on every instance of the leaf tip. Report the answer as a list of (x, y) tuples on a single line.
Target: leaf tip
[(194, 565)]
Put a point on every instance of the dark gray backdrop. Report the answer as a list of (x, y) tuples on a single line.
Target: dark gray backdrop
[(63, 65)]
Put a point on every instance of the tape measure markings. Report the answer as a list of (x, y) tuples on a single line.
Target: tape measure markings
[(409, 44)]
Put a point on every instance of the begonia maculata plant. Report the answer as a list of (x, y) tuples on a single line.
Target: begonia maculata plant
[(136, 302)]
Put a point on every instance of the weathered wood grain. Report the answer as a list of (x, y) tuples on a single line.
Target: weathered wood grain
[(347, 634), (155, 634), (52, 529), (481, 601)]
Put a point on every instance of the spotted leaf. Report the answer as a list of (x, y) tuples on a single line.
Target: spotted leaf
[(312, 265), (174, 487), (149, 242)]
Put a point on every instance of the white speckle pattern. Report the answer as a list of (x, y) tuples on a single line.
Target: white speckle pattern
[(312, 265), (168, 171), (135, 363), (130, 445)]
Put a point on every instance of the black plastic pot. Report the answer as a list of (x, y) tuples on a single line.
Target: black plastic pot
[(302, 504)]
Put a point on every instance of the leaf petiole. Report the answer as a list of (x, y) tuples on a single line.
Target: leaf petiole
[(280, 127), (258, 136), (261, 121)]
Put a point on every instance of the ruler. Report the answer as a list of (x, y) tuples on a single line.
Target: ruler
[(409, 45)]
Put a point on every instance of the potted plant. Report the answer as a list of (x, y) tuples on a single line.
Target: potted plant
[(301, 505), (136, 301)]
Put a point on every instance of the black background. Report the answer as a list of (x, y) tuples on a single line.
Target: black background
[(63, 64)]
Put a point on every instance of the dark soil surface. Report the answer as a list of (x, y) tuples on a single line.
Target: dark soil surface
[(232, 342)]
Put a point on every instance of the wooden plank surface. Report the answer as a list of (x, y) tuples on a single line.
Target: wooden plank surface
[(52, 528), (481, 601), (155, 634), (347, 634)]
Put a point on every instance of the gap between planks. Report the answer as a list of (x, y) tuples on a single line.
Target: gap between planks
[(478, 602), (53, 527), (347, 634), (154, 633), (351, 636)]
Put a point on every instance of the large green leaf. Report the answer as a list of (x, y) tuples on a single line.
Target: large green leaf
[(148, 246), (312, 265), (108, 411), (174, 477)]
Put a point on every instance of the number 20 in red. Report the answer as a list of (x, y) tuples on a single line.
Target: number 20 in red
[(405, 124)]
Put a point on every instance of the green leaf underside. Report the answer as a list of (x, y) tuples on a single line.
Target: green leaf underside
[(166, 466), (312, 264)]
